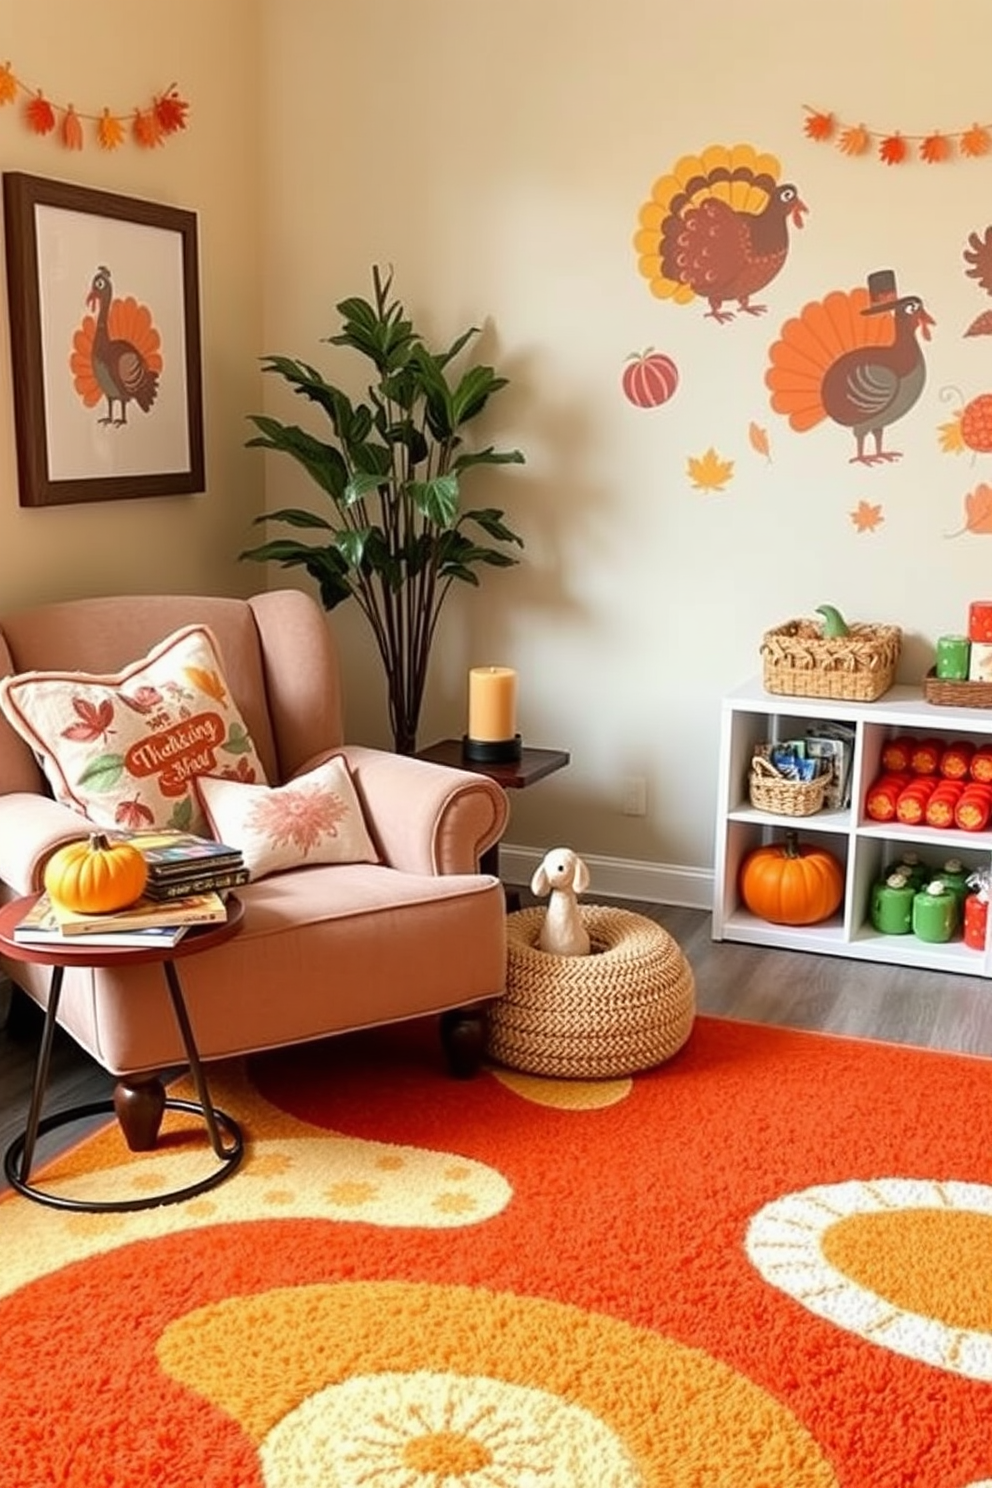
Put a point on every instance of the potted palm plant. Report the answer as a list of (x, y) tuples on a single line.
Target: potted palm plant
[(397, 535)]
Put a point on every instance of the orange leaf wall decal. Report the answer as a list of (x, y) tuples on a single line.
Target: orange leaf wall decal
[(709, 472), (977, 511), (867, 517), (978, 508), (758, 438)]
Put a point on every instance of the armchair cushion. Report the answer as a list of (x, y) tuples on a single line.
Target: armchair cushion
[(314, 818), (122, 748)]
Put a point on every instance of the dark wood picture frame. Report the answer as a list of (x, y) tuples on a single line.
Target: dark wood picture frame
[(66, 451)]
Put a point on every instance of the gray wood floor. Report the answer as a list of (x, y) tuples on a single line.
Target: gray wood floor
[(830, 994)]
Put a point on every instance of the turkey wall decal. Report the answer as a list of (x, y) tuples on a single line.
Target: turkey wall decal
[(854, 358), (117, 355), (717, 228)]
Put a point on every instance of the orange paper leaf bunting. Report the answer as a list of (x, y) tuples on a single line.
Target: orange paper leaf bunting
[(895, 146), (150, 125), (976, 141), (820, 126), (893, 149), (855, 140), (40, 115)]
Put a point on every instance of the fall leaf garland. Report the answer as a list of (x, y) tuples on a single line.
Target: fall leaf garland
[(892, 146), (149, 126)]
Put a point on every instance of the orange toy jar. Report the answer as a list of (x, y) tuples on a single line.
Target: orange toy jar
[(926, 756), (897, 753), (912, 803), (882, 795), (976, 917), (942, 803), (981, 765), (955, 762), (974, 808)]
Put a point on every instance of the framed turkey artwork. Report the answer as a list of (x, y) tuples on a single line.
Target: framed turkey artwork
[(103, 294)]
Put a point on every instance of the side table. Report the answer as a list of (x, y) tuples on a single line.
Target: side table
[(533, 765), (20, 1154)]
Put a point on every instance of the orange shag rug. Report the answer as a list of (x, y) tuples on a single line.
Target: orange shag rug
[(765, 1264)]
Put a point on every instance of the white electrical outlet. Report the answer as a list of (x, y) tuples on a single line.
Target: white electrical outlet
[(634, 796)]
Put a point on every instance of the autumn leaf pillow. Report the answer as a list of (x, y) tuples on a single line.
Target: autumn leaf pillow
[(124, 749), (314, 818)]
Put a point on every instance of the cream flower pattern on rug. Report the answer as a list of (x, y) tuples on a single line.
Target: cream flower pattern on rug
[(288, 1173), (422, 1430), (391, 1384), (904, 1263)]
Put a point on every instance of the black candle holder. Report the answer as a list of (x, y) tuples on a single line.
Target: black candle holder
[(492, 751)]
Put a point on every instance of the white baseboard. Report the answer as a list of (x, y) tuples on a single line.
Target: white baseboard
[(620, 878)]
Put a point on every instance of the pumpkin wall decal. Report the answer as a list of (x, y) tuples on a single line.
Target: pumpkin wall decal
[(791, 883), (649, 378)]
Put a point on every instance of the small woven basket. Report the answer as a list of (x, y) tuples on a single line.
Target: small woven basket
[(799, 661), (628, 1005), (771, 792), (948, 694)]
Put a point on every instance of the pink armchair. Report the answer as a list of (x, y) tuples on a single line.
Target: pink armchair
[(323, 948)]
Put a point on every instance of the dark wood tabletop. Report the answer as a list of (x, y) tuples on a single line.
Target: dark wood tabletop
[(532, 765)]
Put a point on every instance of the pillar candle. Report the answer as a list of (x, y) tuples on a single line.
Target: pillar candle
[(492, 704)]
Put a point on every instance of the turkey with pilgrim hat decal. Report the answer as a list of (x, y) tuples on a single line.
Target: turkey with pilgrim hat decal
[(855, 358), (116, 356)]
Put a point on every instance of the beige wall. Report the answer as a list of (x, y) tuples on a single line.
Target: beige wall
[(120, 55), (497, 156)]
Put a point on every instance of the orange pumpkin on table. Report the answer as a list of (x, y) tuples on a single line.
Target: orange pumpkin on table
[(791, 882), (96, 875)]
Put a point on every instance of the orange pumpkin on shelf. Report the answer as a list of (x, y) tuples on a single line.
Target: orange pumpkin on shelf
[(791, 882), (95, 875)]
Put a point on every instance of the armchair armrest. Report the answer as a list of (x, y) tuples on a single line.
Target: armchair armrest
[(31, 828), (424, 818)]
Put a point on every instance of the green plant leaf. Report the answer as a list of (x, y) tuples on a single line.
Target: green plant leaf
[(393, 464), (322, 462), (491, 521), (437, 499), (295, 517)]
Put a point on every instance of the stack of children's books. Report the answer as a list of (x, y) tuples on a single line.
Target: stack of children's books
[(180, 864), (189, 878)]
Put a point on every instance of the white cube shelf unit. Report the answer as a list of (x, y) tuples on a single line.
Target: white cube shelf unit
[(751, 716)]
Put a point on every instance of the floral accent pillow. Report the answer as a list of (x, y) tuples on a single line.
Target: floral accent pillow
[(124, 749), (315, 818)]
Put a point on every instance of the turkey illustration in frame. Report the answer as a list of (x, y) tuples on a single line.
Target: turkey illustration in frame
[(103, 294)]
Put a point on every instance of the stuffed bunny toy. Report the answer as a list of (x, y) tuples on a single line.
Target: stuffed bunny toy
[(563, 875)]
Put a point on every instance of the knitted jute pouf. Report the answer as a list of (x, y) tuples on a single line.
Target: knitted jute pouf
[(626, 1006)]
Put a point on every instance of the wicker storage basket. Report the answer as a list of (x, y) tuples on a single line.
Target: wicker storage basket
[(771, 792), (800, 661), (626, 1006), (948, 694)]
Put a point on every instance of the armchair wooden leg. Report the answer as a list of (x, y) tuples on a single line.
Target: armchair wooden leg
[(139, 1105), (463, 1038)]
